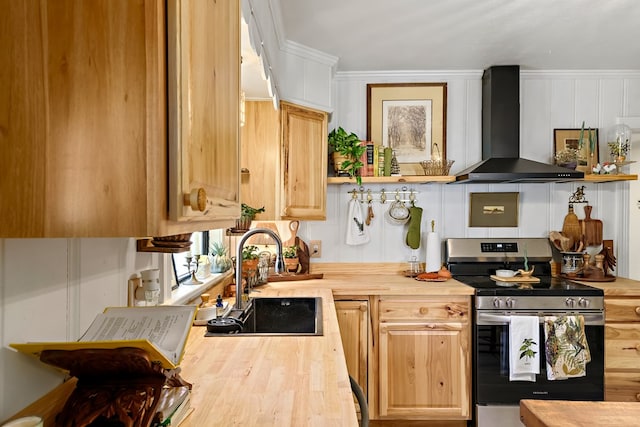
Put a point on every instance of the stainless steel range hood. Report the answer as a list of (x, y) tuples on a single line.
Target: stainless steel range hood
[(501, 136)]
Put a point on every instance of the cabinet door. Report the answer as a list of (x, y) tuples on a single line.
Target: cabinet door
[(353, 319), (204, 110), (424, 371), (304, 163), (80, 105), (260, 158)]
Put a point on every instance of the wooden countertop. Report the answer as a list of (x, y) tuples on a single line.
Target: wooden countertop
[(562, 413), (622, 287), (270, 381)]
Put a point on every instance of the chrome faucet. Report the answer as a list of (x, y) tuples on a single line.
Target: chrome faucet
[(279, 265)]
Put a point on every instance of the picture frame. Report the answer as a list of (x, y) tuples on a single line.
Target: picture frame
[(493, 209), (564, 139), (411, 118)]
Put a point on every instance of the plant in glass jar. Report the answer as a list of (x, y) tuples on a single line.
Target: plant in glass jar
[(220, 261), (619, 138)]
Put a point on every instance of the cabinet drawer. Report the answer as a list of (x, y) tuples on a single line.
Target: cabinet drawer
[(622, 310), (432, 308), (622, 346), (622, 386)]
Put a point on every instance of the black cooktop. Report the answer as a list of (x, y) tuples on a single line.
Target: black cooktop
[(548, 286)]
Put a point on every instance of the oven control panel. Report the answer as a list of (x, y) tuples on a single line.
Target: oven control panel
[(498, 247)]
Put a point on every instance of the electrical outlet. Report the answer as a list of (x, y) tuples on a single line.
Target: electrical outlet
[(315, 248)]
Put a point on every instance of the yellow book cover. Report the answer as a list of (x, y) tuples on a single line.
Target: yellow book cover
[(376, 158), (161, 331)]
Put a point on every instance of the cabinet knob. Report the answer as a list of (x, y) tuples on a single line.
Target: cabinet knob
[(638, 397), (363, 308), (197, 199), (424, 310), (637, 310)]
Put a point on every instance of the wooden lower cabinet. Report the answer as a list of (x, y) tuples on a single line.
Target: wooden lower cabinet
[(353, 319), (622, 349), (423, 358)]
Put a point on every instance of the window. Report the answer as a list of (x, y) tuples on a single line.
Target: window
[(200, 245)]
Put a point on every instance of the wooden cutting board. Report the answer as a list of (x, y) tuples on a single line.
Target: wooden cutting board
[(519, 279), (591, 228)]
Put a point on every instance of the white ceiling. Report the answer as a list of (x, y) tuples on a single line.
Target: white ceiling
[(468, 34), (383, 35)]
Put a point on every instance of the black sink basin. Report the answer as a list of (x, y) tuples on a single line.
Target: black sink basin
[(272, 316)]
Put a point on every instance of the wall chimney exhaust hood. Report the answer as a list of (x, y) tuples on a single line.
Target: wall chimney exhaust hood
[(501, 161)]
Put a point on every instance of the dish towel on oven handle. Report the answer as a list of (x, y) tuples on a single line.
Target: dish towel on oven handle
[(524, 348), (357, 233), (566, 347)]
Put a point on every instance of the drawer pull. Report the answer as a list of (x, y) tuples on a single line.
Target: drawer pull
[(637, 310), (424, 310), (638, 397)]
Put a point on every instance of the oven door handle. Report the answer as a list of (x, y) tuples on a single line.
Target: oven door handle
[(503, 319)]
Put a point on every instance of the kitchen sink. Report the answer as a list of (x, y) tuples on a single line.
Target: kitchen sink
[(298, 316)]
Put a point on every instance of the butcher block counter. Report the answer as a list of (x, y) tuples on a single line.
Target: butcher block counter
[(279, 380), (562, 413), (270, 381), (288, 381)]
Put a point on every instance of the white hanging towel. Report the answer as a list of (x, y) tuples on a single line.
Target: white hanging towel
[(357, 232), (524, 348)]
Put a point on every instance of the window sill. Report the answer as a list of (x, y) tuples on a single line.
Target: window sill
[(185, 293)]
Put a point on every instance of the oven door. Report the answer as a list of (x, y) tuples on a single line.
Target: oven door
[(491, 363)]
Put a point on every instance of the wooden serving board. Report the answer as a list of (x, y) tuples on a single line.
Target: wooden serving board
[(291, 277), (519, 279)]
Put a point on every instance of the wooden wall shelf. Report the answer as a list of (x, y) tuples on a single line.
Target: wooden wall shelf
[(424, 179), (609, 178), (417, 179)]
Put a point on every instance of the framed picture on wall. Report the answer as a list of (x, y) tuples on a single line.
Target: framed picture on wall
[(569, 153), (411, 119), (493, 210)]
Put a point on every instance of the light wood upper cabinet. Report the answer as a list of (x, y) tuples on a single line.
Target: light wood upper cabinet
[(204, 108), (260, 158), (304, 163), (83, 117), (285, 155), (424, 363)]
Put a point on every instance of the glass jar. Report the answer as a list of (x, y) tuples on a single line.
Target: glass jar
[(619, 142)]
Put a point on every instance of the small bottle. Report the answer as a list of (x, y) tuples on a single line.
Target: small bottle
[(219, 306)]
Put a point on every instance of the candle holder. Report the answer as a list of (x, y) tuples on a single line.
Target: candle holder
[(193, 280)]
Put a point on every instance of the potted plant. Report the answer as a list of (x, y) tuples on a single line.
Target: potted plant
[(220, 261), (290, 254), (247, 214), (249, 258), (347, 150), (567, 158)]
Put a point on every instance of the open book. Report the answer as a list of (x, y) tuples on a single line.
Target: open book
[(161, 331)]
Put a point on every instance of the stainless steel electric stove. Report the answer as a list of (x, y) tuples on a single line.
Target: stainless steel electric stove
[(472, 261)]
